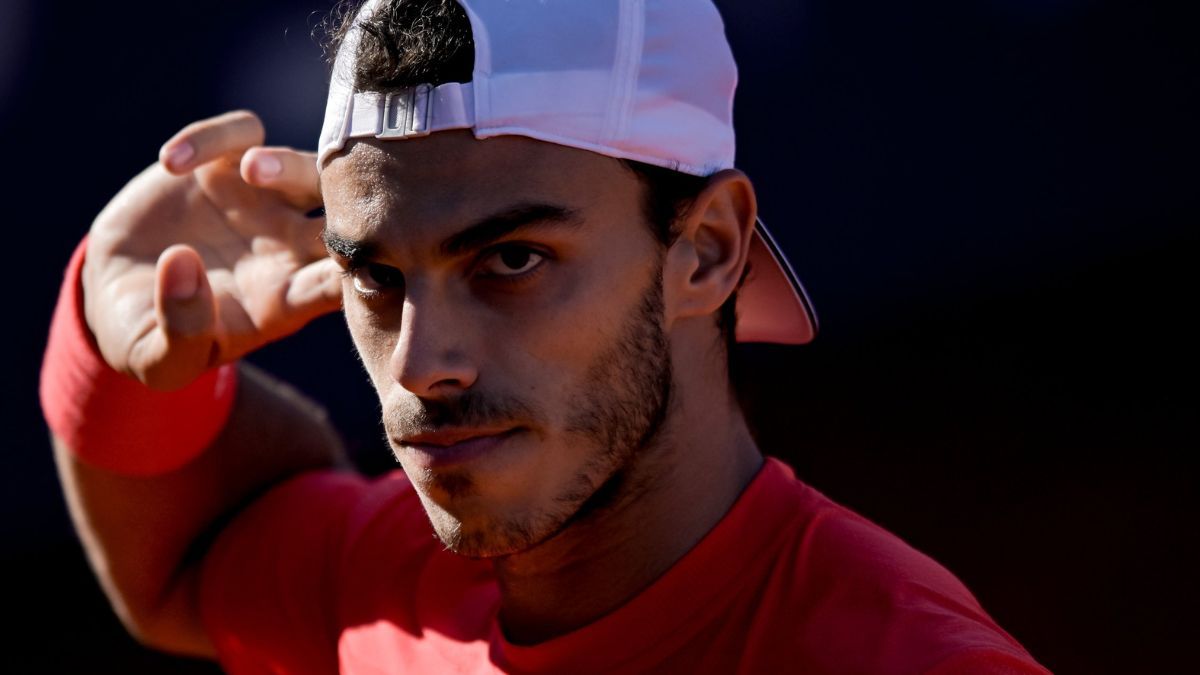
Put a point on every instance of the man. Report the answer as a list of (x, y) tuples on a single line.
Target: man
[(534, 229)]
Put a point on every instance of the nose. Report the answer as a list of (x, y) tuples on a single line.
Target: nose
[(430, 359)]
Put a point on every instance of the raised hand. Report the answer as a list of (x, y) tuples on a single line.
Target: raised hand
[(208, 254)]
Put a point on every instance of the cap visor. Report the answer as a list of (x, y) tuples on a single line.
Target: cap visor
[(772, 305)]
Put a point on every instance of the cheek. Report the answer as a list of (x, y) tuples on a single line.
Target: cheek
[(542, 335), (374, 344), (549, 346)]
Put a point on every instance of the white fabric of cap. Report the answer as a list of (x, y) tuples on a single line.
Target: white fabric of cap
[(642, 80), (645, 80)]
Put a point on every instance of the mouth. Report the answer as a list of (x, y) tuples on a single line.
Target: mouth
[(450, 447)]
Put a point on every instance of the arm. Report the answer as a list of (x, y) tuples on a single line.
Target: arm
[(203, 258), (145, 537)]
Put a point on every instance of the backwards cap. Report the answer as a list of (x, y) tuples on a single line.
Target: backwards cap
[(644, 80)]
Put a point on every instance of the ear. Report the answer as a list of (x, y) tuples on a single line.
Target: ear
[(705, 263)]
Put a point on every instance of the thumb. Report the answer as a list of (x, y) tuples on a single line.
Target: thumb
[(185, 338)]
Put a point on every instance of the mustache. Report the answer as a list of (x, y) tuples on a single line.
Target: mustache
[(415, 415)]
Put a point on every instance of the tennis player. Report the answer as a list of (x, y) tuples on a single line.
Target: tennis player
[(534, 227)]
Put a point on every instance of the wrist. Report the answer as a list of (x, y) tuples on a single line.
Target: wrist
[(110, 420)]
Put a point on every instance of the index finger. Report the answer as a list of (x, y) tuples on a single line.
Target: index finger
[(292, 173), (201, 142)]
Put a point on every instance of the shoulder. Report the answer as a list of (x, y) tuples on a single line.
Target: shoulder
[(316, 509), (272, 581), (865, 596)]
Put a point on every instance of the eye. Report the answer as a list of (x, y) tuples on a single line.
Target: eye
[(371, 279), (511, 261)]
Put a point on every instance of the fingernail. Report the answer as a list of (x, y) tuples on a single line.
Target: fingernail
[(182, 282), (180, 154), (268, 166)]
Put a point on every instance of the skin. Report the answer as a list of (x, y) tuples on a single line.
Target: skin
[(572, 355), (205, 256), (605, 480)]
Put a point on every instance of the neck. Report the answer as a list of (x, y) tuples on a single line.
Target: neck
[(676, 492)]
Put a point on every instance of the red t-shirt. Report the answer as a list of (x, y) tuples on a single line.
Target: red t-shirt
[(332, 571)]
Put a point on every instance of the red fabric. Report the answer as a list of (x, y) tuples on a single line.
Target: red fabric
[(87, 403), (332, 572)]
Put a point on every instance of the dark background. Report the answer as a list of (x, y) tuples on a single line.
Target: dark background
[(993, 205)]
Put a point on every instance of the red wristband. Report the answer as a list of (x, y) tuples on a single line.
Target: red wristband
[(112, 421)]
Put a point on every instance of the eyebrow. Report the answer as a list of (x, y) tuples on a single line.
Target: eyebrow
[(504, 223), (473, 238), (353, 250)]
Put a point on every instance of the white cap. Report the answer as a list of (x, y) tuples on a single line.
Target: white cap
[(645, 80)]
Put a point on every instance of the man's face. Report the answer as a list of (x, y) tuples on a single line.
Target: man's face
[(506, 299)]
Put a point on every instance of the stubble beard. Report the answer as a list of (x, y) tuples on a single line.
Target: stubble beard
[(619, 410)]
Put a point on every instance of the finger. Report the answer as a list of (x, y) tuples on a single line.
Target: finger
[(316, 289), (184, 340), (306, 238), (290, 172), (201, 142)]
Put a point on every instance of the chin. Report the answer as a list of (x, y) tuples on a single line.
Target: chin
[(475, 529), (482, 540)]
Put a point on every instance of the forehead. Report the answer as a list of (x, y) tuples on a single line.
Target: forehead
[(451, 177)]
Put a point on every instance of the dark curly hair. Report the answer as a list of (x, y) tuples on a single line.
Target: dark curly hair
[(409, 42)]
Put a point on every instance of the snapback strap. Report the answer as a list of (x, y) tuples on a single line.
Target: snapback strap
[(408, 113), (414, 111)]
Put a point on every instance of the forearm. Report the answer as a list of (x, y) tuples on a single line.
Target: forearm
[(145, 537)]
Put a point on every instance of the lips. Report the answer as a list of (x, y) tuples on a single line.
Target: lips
[(449, 447)]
